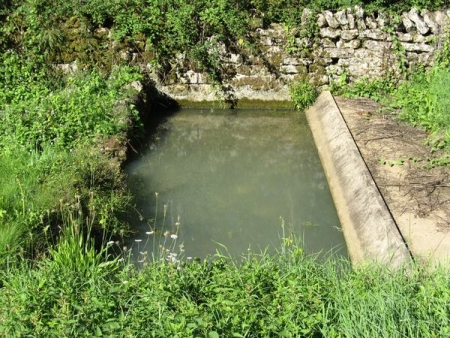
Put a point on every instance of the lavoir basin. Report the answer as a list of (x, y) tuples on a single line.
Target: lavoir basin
[(233, 181)]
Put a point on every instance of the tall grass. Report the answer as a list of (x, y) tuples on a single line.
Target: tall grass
[(39, 187), (425, 101), (431, 104), (76, 292)]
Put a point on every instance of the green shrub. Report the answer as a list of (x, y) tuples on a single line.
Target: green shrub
[(79, 109), (303, 94), (289, 295), (425, 100)]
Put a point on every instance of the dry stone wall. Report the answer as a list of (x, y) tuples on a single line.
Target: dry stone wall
[(350, 43)]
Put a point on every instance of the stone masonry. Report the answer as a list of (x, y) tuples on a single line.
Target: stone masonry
[(350, 44)]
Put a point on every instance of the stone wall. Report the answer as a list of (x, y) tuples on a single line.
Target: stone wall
[(350, 43)]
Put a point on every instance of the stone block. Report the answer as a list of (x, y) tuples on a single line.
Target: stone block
[(248, 70), (290, 61), (335, 69), (428, 18), (379, 46), (371, 55), (348, 44), (359, 12), (318, 79), (374, 34), (331, 20), (191, 77), (322, 61), (291, 69), (382, 19), (417, 47), (407, 23), (235, 58), (421, 26), (340, 53), (419, 38), (267, 41), (272, 49), (328, 43), (306, 16), (361, 24), (371, 23), (349, 34), (405, 37), (441, 19), (426, 59), (351, 21), (341, 17), (321, 21), (329, 33), (288, 69)]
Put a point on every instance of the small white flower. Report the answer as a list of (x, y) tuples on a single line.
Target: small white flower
[(189, 258), (177, 224), (125, 282), (173, 236), (149, 233), (138, 240), (110, 243), (167, 233)]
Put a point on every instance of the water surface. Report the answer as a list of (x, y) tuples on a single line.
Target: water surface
[(231, 177)]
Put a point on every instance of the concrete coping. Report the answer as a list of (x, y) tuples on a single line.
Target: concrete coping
[(369, 229)]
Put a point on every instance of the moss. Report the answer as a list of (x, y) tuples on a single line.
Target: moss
[(317, 69), (242, 103), (276, 59), (249, 103), (101, 33), (249, 70), (256, 23)]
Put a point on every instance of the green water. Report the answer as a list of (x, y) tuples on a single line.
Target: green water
[(229, 177)]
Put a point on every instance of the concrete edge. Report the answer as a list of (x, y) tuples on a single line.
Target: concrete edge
[(369, 229)]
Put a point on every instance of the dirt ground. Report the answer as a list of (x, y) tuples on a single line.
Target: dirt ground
[(418, 197)]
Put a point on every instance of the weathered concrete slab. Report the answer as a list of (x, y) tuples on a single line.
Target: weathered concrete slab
[(369, 229)]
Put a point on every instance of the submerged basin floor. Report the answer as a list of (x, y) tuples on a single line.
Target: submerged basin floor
[(231, 177)]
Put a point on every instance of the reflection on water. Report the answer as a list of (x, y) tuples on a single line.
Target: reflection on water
[(228, 178)]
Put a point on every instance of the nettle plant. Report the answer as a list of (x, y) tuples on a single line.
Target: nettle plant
[(303, 94), (75, 108)]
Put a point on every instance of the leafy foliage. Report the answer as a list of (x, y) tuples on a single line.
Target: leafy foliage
[(425, 101), (58, 190), (303, 94), (376, 89), (79, 108), (289, 295)]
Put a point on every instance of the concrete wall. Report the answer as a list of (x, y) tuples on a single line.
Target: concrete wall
[(370, 231)]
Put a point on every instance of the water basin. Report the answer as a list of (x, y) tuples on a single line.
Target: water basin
[(215, 179)]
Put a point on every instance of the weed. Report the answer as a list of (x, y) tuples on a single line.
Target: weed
[(303, 94)]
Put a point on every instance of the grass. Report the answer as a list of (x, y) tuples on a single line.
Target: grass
[(303, 94), (425, 101), (421, 98), (78, 291), (39, 188), (60, 202)]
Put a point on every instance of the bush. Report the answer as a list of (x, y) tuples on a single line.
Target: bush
[(425, 100), (288, 295), (303, 94)]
